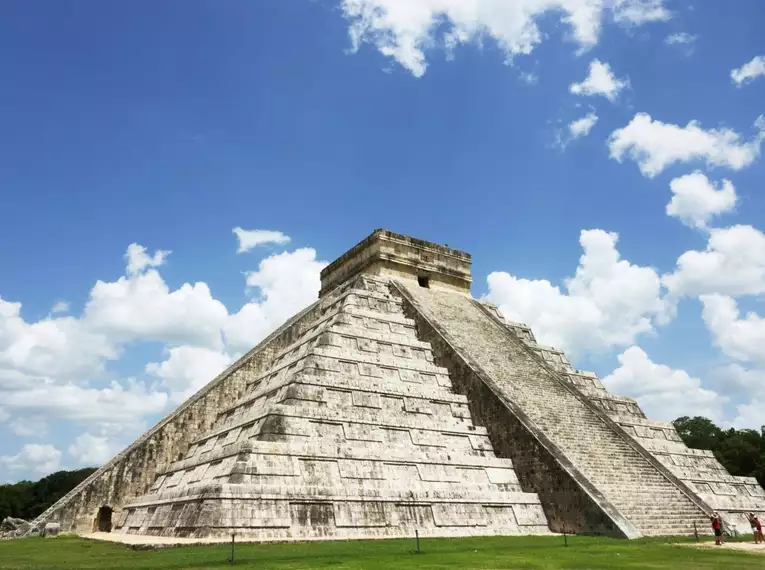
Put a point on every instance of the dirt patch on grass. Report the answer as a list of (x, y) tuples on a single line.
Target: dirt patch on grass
[(745, 546)]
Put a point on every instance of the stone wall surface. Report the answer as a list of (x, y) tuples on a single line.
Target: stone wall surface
[(352, 432), (132, 472), (638, 494)]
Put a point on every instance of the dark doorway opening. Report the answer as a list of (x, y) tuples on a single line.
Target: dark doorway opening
[(423, 281), (104, 519)]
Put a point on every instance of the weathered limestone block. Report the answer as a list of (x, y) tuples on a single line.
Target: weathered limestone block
[(51, 530)]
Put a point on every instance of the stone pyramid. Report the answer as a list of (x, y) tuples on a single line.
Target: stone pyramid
[(398, 403), (353, 431)]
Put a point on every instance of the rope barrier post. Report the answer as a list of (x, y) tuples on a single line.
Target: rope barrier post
[(233, 559), (417, 538)]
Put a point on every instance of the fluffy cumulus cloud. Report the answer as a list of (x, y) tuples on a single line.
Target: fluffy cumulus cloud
[(59, 368), (680, 39), (29, 426), (118, 405), (187, 368), (285, 283), (60, 307), (137, 258), (575, 130), (749, 71), (250, 239), (733, 263), (637, 12), (89, 449), (663, 393), (405, 30), (62, 347), (740, 338), (655, 145), (695, 199), (142, 306), (600, 81), (33, 457), (608, 302), (750, 415), (582, 127)]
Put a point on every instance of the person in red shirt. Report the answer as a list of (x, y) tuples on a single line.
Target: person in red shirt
[(754, 520), (717, 527)]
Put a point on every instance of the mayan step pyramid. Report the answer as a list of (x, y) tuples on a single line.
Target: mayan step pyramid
[(398, 403)]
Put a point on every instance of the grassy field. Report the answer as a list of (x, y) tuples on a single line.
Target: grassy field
[(464, 553)]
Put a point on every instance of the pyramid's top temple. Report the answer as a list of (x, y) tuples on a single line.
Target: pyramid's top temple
[(396, 256), (398, 402)]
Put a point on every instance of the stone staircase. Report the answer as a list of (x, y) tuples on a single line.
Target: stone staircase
[(628, 479)]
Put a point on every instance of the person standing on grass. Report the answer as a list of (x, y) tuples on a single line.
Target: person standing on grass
[(717, 527), (754, 520)]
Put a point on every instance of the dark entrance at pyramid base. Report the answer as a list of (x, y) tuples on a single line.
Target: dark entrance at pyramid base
[(104, 519)]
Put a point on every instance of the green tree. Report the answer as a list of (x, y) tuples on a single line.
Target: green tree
[(741, 452), (26, 500)]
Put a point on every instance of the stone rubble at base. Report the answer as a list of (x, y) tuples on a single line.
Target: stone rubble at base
[(398, 403)]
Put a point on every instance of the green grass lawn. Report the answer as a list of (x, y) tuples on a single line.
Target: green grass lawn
[(463, 553)]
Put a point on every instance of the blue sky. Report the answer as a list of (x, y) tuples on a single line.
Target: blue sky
[(167, 126)]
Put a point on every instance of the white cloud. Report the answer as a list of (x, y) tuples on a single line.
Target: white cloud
[(53, 370), (747, 385), (286, 283), (739, 338), (638, 12), (733, 263), (600, 81), (750, 415), (681, 38), (250, 239), (735, 379), (143, 307), (112, 406), (92, 450), (695, 200), (662, 392), (749, 71), (138, 259), (29, 427), (582, 127), (63, 347), (60, 307), (188, 368), (35, 457), (655, 145), (609, 301), (405, 30), (529, 78)]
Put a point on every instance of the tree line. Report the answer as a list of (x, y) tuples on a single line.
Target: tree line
[(742, 452), (26, 500)]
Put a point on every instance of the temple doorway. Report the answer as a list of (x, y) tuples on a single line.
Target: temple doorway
[(104, 519)]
